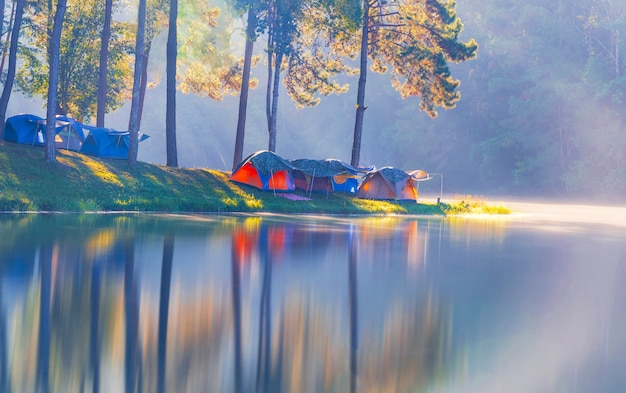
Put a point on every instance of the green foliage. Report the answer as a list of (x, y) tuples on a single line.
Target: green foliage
[(312, 67), (79, 61), (205, 64), (415, 40)]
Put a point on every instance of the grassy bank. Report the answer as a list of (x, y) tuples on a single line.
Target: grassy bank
[(79, 183)]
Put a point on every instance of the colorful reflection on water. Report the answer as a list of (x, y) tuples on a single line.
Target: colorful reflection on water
[(143, 303)]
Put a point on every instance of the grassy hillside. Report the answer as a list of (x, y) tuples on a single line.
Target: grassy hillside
[(79, 183)]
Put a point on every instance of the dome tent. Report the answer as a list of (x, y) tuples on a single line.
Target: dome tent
[(388, 183), (266, 171)]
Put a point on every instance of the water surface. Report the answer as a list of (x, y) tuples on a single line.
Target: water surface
[(527, 303)]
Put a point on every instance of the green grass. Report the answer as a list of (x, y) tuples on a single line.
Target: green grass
[(80, 183), (472, 205)]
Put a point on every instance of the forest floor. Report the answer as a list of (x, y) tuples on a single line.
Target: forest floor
[(80, 183)]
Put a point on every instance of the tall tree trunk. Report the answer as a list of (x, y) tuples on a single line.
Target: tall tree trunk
[(8, 39), (268, 91), (133, 125), (274, 103), (245, 85), (144, 79), (104, 56), (53, 82), (2, 5), (170, 111), (360, 98), (8, 84), (9, 28)]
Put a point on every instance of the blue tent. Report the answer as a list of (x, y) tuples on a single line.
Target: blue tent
[(329, 175), (31, 130), (70, 137), (107, 143), (25, 128)]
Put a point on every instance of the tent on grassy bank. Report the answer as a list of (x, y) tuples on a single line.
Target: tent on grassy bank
[(70, 135), (31, 130), (266, 171), (389, 183), (329, 175), (107, 143)]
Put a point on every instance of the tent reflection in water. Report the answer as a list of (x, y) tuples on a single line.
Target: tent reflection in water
[(266, 171), (390, 183)]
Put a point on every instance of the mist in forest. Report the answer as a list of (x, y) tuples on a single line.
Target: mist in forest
[(541, 110)]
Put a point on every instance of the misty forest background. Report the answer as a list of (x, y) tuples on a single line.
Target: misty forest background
[(542, 110)]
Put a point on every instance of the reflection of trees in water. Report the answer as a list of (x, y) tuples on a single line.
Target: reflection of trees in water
[(164, 304), (411, 353), (103, 326)]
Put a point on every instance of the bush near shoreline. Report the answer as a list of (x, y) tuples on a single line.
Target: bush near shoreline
[(80, 183)]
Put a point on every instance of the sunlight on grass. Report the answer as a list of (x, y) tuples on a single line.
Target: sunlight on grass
[(254, 203), (227, 201), (121, 202), (102, 172), (469, 204), (378, 206), (67, 162)]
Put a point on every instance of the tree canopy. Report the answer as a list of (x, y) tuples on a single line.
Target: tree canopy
[(79, 58)]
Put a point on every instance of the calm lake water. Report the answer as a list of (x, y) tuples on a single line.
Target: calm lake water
[(526, 303)]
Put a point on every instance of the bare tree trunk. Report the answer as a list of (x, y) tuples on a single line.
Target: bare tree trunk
[(245, 85), (102, 72), (53, 82), (133, 125), (2, 5), (8, 84), (360, 99), (144, 79), (170, 111), (268, 92), (8, 39), (274, 103)]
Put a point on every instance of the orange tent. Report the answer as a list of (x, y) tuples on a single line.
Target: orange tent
[(266, 171), (387, 184)]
